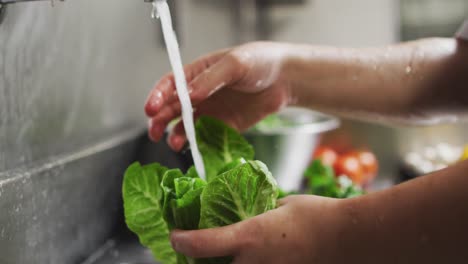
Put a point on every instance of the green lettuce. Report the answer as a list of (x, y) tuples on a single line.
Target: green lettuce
[(238, 194), (323, 182), (143, 199), (158, 200), (220, 145)]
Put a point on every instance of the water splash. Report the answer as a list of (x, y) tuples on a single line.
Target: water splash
[(408, 69), (161, 10)]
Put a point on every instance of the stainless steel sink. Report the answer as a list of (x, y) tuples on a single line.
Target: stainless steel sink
[(123, 250)]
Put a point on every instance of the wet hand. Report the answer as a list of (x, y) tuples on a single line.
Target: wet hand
[(239, 86), (301, 230)]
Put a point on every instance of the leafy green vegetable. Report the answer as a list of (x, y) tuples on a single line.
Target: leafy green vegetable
[(182, 199), (157, 199), (142, 196), (348, 189), (220, 145), (322, 182), (282, 194), (273, 121), (236, 195)]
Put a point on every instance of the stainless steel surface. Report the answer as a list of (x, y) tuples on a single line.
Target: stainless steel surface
[(121, 250), (2, 12), (431, 18), (72, 78), (73, 73), (60, 210), (287, 150)]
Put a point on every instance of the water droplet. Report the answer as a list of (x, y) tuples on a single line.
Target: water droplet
[(408, 69), (154, 11)]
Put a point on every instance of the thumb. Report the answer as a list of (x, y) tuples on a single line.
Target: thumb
[(206, 243)]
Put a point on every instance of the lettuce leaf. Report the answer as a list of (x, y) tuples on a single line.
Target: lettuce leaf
[(238, 194), (220, 144), (157, 199), (142, 196), (182, 199)]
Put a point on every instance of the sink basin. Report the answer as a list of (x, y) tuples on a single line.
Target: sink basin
[(122, 250)]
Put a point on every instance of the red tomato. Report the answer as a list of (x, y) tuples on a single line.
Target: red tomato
[(350, 166), (327, 155), (369, 164)]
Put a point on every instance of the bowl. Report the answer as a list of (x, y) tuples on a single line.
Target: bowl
[(286, 141)]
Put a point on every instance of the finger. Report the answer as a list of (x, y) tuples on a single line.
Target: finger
[(226, 71), (156, 129), (284, 201), (161, 92), (177, 138), (165, 90), (157, 125), (201, 65), (206, 243)]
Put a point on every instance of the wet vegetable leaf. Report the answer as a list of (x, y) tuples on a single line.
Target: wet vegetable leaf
[(220, 144), (142, 197), (238, 194)]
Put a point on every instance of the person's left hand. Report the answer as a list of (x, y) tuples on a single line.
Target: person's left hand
[(303, 229)]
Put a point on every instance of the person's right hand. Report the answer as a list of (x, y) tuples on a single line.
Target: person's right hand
[(303, 229), (240, 86)]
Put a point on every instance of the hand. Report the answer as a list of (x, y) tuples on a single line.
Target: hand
[(239, 86), (303, 229)]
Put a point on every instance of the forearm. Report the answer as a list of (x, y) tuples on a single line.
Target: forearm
[(416, 81), (421, 221)]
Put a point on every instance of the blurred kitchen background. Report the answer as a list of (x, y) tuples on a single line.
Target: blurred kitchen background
[(74, 75)]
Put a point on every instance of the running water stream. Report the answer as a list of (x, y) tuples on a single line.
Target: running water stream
[(161, 10)]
